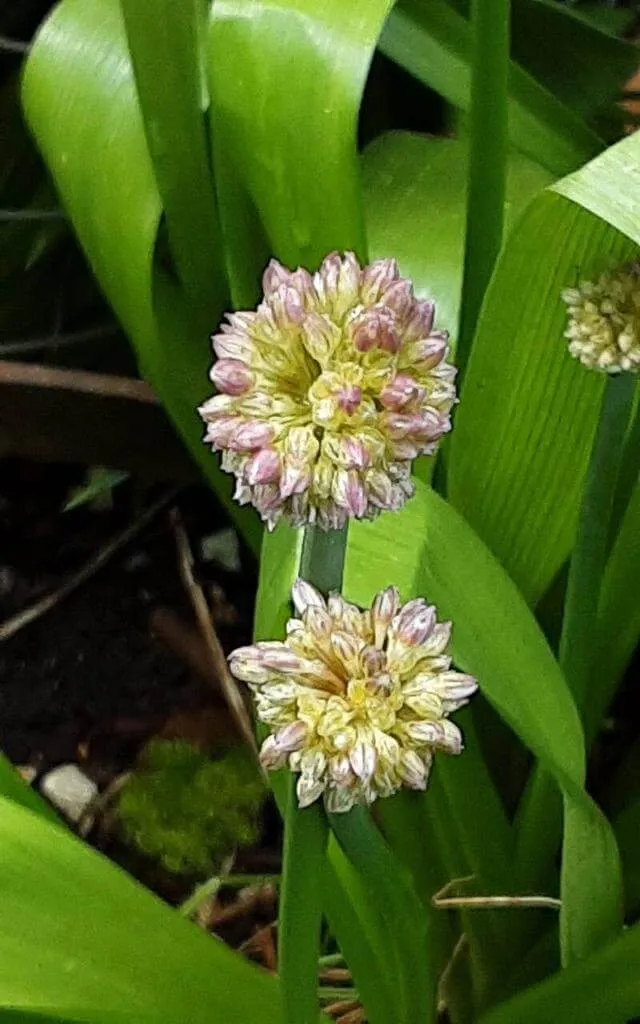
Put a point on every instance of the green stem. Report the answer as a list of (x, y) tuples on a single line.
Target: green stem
[(306, 831), (323, 557), (300, 913), (488, 147), (590, 552), (391, 890), (540, 813)]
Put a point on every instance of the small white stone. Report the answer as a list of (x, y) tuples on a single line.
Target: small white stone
[(69, 790), (222, 547)]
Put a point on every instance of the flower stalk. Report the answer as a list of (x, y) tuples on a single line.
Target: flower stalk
[(540, 814)]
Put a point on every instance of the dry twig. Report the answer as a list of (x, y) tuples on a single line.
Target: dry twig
[(216, 655), (444, 902)]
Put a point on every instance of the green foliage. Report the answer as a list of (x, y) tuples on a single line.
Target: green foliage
[(188, 144), (188, 811)]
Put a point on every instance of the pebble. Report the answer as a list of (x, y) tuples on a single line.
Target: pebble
[(69, 790)]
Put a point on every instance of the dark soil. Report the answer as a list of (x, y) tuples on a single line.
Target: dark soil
[(88, 680)]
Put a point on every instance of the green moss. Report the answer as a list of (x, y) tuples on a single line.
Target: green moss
[(188, 811)]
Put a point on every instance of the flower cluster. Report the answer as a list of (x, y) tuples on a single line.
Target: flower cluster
[(328, 391), (604, 321), (356, 701)]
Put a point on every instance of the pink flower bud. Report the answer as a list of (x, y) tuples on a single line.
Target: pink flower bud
[(287, 306), (349, 493), (363, 760), (279, 658), (271, 756), (234, 346), (428, 352), (354, 453), (374, 328), (250, 436), (264, 467), (379, 488), (420, 320), (377, 278), (291, 737), (274, 276), (425, 732), (320, 337), (399, 298), (414, 771), (384, 608), (232, 376), (295, 479), (373, 661), (220, 431), (349, 398), (318, 621), (400, 392), (304, 596), (414, 622)]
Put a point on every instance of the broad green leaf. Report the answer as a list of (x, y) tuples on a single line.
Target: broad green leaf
[(435, 553), (80, 101), (526, 420), (12, 787), (415, 195), (602, 989), (165, 43), (288, 122), (82, 941), (434, 43)]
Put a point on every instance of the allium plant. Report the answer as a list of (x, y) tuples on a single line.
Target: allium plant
[(357, 701), (328, 391)]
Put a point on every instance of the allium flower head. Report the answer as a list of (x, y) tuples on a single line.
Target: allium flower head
[(328, 391), (357, 701), (604, 320)]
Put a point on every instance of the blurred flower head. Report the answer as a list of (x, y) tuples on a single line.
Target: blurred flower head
[(328, 391), (604, 320), (357, 701)]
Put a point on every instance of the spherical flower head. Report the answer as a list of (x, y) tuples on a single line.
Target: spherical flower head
[(328, 391), (604, 321), (357, 701)]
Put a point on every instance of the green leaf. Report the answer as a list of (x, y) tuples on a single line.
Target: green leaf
[(415, 196), (488, 156), (603, 989), (391, 886), (80, 101), (83, 942), (526, 420), (294, 150), (99, 484), (434, 42), (12, 787), (164, 42), (300, 910), (428, 549)]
